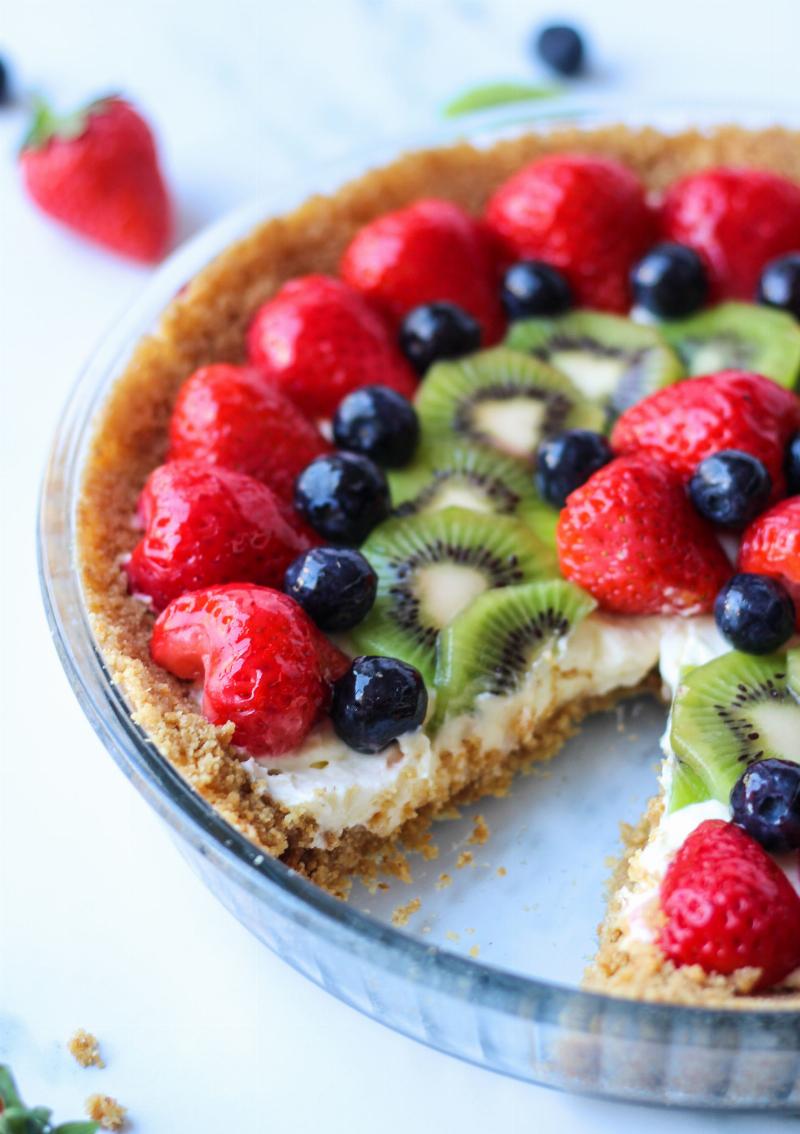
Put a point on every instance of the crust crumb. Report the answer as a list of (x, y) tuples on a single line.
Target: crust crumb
[(501, 872), (475, 951), (85, 1049), (444, 881), (402, 914), (480, 832), (466, 858), (107, 1111)]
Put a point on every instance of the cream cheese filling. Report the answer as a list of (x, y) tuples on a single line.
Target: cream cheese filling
[(340, 788)]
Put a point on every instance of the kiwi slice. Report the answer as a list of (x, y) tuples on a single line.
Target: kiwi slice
[(727, 713), (612, 361), (500, 399), (490, 646), (458, 475), (431, 566), (738, 336), (793, 670)]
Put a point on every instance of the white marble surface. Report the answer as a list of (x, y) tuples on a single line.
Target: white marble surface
[(101, 923)]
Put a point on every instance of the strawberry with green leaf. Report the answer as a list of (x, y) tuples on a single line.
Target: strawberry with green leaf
[(97, 172)]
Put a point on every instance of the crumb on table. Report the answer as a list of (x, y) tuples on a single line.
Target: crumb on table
[(85, 1049), (106, 1111), (403, 913), (475, 951), (444, 881), (480, 832), (466, 858), (501, 872)]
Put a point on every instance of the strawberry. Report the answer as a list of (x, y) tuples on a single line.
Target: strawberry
[(431, 250), (631, 538), (682, 424), (256, 651), (318, 340), (771, 546), (738, 220), (206, 525), (230, 416), (729, 906), (97, 172), (585, 215)]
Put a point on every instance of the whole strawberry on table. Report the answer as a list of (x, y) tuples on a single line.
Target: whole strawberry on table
[(97, 172)]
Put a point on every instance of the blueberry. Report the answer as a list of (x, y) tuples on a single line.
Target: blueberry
[(766, 802), (567, 461), (755, 613), (532, 288), (730, 488), (670, 281), (334, 585), (5, 83), (792, 466), (560, 46), (343, 496), (779, 285), (378, 422), (377, 700), (435, 331)]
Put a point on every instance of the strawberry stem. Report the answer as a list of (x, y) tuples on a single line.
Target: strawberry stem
[(47, 125)]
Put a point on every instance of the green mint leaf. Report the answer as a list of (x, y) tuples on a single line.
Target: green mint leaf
[(8, 1087), (18, 1120), (495, 94)]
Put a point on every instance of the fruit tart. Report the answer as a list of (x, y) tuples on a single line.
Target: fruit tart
[(409, 482)]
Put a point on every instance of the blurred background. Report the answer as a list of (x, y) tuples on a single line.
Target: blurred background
[(101, 925)]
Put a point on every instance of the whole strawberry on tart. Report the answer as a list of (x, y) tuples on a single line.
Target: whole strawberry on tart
[(428, 470)]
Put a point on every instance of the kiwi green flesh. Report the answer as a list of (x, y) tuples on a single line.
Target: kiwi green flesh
[(459, 475), (502, 400), (431, 566), (613, 361), (793, 672), (728, 713), (491, 645), (740, 336)]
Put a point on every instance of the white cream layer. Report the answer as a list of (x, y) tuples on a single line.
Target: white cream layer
[(341, 788)]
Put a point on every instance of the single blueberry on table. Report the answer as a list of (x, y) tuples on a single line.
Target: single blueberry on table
[(766, 802), (779, 285), (342, 496), (377, 700), (565, 462), (670, 281), (335, 586), (531, 288), (561, 47), (5, 83), (435, 331), (755, 613), (730, 488), (792, 466), (378, 422)]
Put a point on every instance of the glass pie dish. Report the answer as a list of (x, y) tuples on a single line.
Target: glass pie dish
[(480, 956)]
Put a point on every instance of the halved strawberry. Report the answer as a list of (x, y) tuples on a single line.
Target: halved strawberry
[(206, 525), (318, 340), (232, 416), (631, 538)]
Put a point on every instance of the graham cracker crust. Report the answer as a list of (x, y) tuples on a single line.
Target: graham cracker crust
[(206, 323)]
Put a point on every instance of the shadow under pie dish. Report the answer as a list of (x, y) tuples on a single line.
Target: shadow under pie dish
[(377, 803)]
